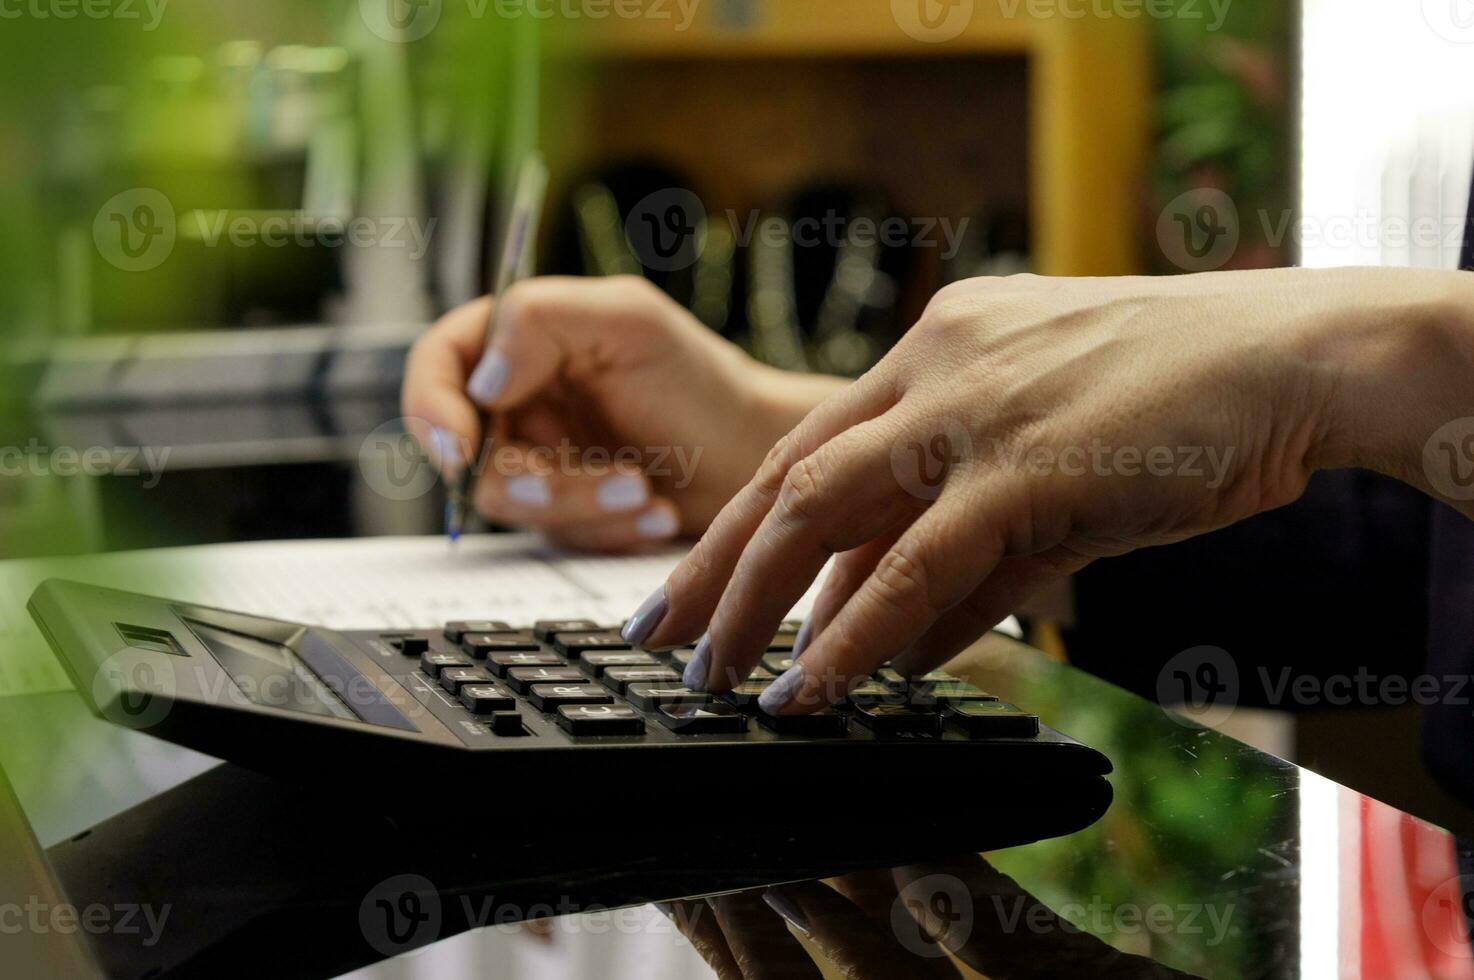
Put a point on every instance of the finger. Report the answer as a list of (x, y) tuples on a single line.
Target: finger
[(849, 572), (760, 942), (553, 325), (434, 400), (533, 486), (934, 565), (832, 500), (695, 921), (682, 611), (875, 893), (657, 524), (843, 933)]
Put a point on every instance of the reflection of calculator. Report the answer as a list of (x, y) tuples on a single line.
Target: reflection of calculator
[(488, 712)]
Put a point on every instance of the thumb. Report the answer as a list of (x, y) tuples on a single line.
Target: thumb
[(542, 326)]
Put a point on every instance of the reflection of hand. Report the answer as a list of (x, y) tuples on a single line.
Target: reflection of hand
[(622, 419), (901, 924)]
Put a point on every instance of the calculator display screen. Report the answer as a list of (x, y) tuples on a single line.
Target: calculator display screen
[(271, 674)]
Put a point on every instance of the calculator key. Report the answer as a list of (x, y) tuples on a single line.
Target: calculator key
[(891, 677), (597, 661), (507, 724), (898, 719), (407, 643), (575, 645), (648, 697), (952, 692), (600, 719), (992, 719), (745, 695), (483, 699), (500, 663), (826, 723), (548, 697), (544, 629), (521, 679), (457, 629), (790, 626), (681, 659), (618, 679), (778, 662), (433, 662), (783, 642), (696, 719), (452, 678), (876, 692), (479, 645), (762, 674)]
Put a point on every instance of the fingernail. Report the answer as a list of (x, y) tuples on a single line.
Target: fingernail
[(529, 490), (802, 640), (660, 523), (781, 691), (646, 618), (490, 377), (695, 675), (623, 492), (788, 909), (446, 449)]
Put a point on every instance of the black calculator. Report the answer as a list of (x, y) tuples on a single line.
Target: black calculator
[(492, 713)]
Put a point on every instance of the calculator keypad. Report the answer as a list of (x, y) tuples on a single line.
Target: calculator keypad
[(702, 719), (551, 697), (600, 719)]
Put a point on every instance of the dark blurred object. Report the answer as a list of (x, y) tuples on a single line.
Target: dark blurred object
[(995, 244)]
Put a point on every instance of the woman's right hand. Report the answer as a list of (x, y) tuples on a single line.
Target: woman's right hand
[(622, 421)]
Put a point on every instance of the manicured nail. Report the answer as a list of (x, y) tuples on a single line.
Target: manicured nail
[(802, 640), (490, 377), (446, 449), (658, 524), (529, 490), (646, 618), (789, 909), (695, 675), (623, 492), (781, 691)]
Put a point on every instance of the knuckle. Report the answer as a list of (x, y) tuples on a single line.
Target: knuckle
[(901, 582), (774, 471), (804, 491)]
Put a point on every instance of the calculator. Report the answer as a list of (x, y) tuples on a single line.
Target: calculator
[(490, 713)]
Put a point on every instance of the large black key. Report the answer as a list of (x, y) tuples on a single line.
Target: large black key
[(648, 697), (483, 699), (544, 629), (521, 679), (825, 723), (480, 645), (600, 719), (575, 645), (992, 719), (433, 662), (618, 679), (596, 662), (500, 663), (507, 723), (548, 697), (698, 719), (898, 719), (452, 678), (409, 644), (457, 629)]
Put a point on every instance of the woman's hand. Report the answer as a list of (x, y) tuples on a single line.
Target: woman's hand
[(621, 420), (1028, 426)]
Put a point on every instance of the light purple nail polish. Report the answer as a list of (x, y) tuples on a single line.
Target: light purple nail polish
[(781, 691), (622, 492), (446, 449), (695, 675), (490, 377), (657, 524), (646, 618), (529, 490), (790, 910), (802, 640)]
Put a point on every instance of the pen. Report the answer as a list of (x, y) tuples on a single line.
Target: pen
[(517, 245)]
